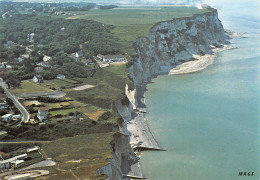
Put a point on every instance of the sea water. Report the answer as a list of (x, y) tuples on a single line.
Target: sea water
[(209, 121)]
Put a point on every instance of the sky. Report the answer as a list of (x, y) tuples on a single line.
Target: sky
[(122, 1)]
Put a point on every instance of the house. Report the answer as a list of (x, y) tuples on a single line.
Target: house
[(25, 56), (100, 56), (3, 65), (17, 163), (17, 117), (79, 54), (3, 106), (38, 69), (5, 164), (43, 64), (38, 79), (46, 58), (113, 58), (89, 62), (9, 68), (61, 76), (20, 59), (42, 113), (32, 149), (7, 117)]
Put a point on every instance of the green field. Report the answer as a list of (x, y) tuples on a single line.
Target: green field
[(28, 87), (131, 23), (80, 155)]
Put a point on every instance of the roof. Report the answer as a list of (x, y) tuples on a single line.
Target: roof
[(7, 115), (113, 56), (43, 108)]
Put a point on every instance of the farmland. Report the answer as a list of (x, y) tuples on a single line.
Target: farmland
[(131, 23)]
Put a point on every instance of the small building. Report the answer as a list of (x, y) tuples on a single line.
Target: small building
[(3, 106), (38, 69), (17, 117), (79, 54), (113, 58), (32, 149), (20, 59), (38, 79), (100, 56), (7, 117), (9, 68), (61, 76), (18, 163), (42, 113), (43, 64), (25, 56), (46, 58), (5, 164)]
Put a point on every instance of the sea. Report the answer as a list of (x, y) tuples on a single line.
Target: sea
[(209, 121)]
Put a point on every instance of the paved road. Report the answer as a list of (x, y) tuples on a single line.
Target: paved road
[(24, 112)]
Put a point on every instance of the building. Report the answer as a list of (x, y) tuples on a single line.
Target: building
[(7, 117), (32, 149), (20, 59), (100, 56), (43, 64), (61, 76), (113, 58), (79, 54), (42, 113), (5, 164), (38, 69), (9, 68), (17, 117), (46, 58), (3, 106), (17, 163), (37, 79)]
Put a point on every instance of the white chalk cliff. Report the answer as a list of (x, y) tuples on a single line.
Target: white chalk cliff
[(173, 42)]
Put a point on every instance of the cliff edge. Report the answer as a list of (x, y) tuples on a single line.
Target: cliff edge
[(174, 42)]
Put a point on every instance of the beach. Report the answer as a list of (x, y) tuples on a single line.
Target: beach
[(200, 62)]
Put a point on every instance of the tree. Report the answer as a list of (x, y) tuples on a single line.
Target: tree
[(9, 101)]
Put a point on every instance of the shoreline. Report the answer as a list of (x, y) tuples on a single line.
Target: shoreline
[(140, 133), (200, 63)]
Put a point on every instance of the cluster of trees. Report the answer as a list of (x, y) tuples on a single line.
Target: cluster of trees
[(108, 7), (60, 34)]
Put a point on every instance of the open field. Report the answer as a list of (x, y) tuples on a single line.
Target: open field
[(118, 69), (28, 87), (80, 155), (60, 84), (131, 23)]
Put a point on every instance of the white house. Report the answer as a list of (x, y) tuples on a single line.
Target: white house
[(61, 76), (17, 117), (46, 58), (79, 54), (18, 163), (100, 56), (42, 113), (5, 164), (7, 117), (8, 68), (113, 58), (37, 79)]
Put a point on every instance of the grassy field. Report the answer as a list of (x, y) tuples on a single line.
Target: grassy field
[(63, 112), (28, 87), (131, 23), (80, 155), (60, 84), (117, 69)]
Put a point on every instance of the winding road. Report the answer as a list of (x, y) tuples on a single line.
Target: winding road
[(24, 112)]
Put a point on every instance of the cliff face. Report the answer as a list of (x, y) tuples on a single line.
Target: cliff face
[(173, 42)]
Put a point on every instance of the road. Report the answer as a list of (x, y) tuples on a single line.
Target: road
[(24, 112)]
